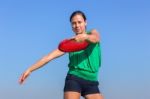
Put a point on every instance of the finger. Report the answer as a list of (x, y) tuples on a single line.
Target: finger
[(21, 79)]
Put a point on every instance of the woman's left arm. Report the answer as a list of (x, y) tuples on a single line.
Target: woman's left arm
[(93, 37)]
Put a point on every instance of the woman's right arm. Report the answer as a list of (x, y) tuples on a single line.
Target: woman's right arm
[(56, 53)]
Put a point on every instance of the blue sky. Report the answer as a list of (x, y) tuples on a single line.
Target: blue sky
[(29, 29)]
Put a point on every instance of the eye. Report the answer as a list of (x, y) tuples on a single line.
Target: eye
[(79, 22), (73, 23)]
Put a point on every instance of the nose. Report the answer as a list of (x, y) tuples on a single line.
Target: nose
[(77, 25)]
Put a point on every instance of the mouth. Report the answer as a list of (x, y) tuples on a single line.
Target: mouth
[(77, 30)]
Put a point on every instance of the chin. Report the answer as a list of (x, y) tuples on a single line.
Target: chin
[(79, 32)]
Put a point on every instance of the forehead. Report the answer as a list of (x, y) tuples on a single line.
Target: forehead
[(77, 17)]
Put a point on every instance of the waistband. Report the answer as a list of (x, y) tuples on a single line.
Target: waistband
[(92, 76)]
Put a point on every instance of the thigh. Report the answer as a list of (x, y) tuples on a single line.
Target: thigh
[(94, 96), (72, 85), (71, 95), (90, 87)]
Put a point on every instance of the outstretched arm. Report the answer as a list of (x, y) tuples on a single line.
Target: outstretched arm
[(56, 53)]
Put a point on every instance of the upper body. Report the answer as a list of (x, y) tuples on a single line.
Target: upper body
[(78, 23), (86, 63)]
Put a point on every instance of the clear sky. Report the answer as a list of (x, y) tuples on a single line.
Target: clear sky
[(30, 29)]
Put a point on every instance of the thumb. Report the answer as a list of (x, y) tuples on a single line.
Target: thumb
[(21, 79)]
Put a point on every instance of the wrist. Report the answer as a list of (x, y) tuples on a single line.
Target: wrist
[(87, 38), (29, 70)]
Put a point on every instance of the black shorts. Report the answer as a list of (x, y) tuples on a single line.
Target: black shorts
[(77, 84)]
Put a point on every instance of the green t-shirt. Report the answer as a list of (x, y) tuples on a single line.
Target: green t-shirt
[(86, 63)]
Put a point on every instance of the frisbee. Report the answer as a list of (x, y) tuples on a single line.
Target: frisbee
[(70, 45)]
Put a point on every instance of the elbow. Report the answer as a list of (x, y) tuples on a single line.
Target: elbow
[(96, 36), (96, 40)]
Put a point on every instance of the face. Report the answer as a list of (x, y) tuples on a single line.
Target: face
[(78, 24)]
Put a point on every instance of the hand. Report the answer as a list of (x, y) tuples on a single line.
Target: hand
[(24, 76), (81, 37)]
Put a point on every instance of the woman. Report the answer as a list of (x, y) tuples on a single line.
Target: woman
[(82, 77)]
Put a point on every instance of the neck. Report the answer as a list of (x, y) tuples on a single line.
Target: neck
[(81, 33)]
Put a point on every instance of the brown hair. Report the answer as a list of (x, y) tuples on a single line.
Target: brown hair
[(78, 13)]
